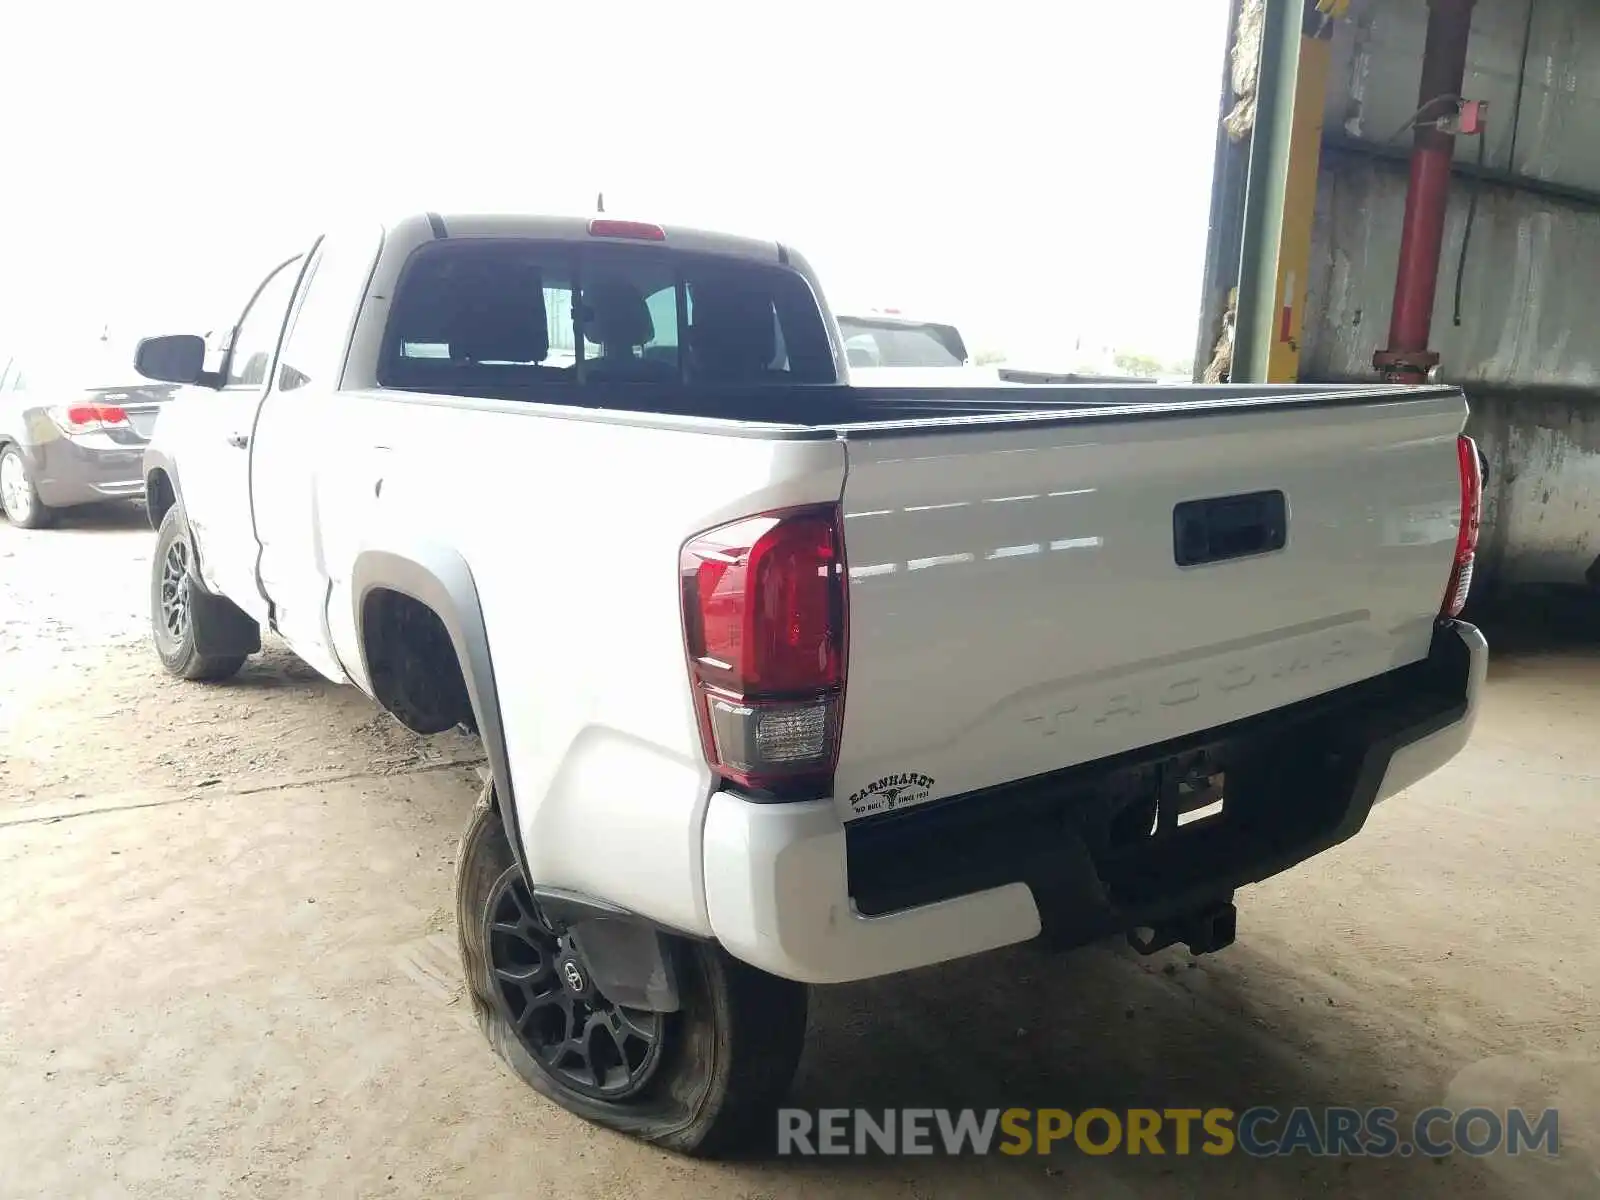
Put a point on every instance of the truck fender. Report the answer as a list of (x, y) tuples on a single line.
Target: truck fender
[(438, 576), (630, 957), (156, 503)]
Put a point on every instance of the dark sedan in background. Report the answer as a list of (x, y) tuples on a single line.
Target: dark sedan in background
[(73, 428)]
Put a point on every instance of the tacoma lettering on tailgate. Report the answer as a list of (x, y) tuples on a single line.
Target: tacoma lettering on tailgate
[(1223, 681)]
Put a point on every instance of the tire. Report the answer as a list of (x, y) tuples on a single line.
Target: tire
[(18, 496), (725, 1059), (173, 613)]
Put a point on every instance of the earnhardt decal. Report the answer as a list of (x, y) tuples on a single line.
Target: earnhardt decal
[(891, 792)]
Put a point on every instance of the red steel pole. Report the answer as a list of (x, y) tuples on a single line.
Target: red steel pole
[(1444, 65)]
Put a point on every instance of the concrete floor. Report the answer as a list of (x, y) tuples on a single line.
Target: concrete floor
[(227, 965)]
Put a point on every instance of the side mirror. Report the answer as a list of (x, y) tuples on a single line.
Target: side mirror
[(176, 358)]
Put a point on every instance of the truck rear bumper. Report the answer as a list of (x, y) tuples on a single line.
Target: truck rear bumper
[(1081, 854), (1415, 760)]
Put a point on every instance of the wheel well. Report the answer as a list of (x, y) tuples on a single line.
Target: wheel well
[(159, 497), (412, 663)]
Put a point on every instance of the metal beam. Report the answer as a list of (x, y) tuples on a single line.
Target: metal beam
[(1281, 195), (1568, 194)]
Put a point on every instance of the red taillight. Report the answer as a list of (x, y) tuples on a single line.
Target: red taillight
[(85, 418), (764, 621), (640, 231), (1455, 595)]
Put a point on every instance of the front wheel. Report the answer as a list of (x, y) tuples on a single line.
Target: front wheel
[(704, 1080), (173, 611), (18, 495)]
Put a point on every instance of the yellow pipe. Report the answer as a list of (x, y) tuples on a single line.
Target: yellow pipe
[(1300, 194)]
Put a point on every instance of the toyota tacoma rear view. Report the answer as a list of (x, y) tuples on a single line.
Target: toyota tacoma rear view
[(782, 681)]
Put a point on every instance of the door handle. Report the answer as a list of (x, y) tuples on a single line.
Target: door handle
[(1215, 530), (238, 440)]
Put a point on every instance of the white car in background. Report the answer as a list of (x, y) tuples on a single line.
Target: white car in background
[(886, 348), (884, 337)]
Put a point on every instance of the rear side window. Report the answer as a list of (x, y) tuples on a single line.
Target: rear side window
[(480, 316)]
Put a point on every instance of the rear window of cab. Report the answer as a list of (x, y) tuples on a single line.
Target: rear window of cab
[(479, 314)]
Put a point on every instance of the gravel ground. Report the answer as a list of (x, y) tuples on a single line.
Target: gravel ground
[(227, 960)]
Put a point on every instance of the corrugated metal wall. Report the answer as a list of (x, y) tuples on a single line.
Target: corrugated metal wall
[(1528, 343)]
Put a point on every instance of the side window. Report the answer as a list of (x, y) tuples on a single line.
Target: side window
[(256, 337), (319, 329)]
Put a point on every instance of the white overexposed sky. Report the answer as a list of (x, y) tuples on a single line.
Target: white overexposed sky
[(1038, 172)]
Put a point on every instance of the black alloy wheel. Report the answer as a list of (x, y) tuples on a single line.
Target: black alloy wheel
[(597, 1048)]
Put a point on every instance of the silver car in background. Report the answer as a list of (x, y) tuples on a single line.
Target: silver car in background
[(73, 428)]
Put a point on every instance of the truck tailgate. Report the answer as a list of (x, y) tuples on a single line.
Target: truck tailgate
[(1032, 596)]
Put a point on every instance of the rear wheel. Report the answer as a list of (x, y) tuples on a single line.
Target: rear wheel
[(173, 611), (703, 1080), (18, 496)]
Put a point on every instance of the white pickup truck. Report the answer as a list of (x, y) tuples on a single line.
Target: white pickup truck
[(783, 682)]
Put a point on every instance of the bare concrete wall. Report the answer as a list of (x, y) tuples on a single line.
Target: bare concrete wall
[(1542, 497), (1530, 308), (1374, 89), (1527, 348)]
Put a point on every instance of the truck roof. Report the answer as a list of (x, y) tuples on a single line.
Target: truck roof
[(589, 228)]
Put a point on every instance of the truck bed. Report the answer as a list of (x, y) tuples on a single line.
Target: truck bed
[(840, 410), (1038, 577)]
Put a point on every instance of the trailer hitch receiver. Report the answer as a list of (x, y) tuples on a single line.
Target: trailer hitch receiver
[(1204, 931)]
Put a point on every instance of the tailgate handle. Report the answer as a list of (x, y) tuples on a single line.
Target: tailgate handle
[(1208, 531)]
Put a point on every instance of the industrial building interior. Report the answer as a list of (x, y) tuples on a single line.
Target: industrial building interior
[(1423, 180), (228, 956)]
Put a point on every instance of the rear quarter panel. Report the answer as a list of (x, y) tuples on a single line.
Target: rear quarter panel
[(572, 531)]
